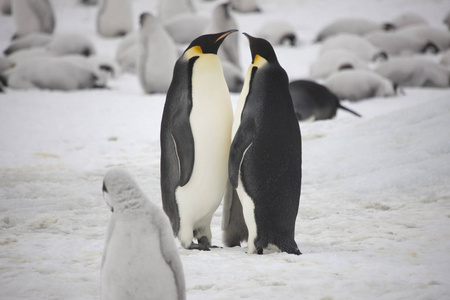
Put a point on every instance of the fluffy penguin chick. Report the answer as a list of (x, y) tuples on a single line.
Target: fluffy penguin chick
[(356, 85), (53, 73), (140, 259), (195, 141), (33, 16), (156, 55), (115, 18)]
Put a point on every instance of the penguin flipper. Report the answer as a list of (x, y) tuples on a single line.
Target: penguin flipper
[(170, 253), (184, 146), (227, 202), (233, 224), (241, 142), (348, 110)]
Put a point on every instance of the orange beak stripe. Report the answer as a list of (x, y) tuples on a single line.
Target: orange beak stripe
[(223, 36)]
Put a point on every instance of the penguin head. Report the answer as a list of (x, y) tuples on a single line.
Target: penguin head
[(121, 190), (262, 51), (142, 18), (146, 19), (208, 43)]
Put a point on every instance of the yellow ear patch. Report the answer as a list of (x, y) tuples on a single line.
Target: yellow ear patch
[(194, 51), (259, 61)]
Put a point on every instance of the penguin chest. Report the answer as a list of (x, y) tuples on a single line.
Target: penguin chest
[(241, 102), (133, 255), (210, 119)]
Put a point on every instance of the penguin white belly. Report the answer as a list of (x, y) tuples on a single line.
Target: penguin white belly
[(211, 120), (241, 103), (248, 206), (133, 255), (248, 209)]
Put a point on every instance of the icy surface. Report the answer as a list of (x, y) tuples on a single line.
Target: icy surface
[(374, 215)]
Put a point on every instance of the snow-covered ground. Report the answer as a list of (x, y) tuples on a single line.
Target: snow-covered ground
[(374, 216)]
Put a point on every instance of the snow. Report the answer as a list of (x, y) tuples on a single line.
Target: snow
[(374, 216)]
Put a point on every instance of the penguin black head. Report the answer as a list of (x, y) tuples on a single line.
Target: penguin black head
[(210, 43), (105, 190), (261, 47), (143, 17)]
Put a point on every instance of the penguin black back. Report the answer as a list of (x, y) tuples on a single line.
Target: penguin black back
[(313, 100), (266, 152)]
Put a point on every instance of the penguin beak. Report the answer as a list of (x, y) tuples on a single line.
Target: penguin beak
[(225, 34), (248, 36), (208, 43), (142, 18), (104, 190), (252, 50)]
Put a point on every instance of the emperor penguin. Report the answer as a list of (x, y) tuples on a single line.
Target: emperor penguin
[(140, 258), (333, 61), (53, 73), (71, 43), (398, 43), (157, 55), (407, 19), (356, 85), (114, 18), (313, 101), (414, 72), (356, 26), (356, 44), (437, 36), (266, 153), (33, 16), (278, 32), (32, 40), (6, 7), (195, 141)]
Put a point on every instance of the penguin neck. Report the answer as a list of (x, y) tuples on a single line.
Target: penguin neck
[(241, 101), (259, 61), (130, 200)]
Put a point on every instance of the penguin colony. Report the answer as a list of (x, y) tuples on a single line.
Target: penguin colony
[(251, 160)]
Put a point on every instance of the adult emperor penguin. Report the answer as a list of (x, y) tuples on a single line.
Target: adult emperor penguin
[(195, 141), (265, 154), (140, 259), (157, 55), (115, 18), (33, 16)]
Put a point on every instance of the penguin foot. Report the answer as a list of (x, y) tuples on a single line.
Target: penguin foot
[(214, 246), (293, 250), (199, 246)]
